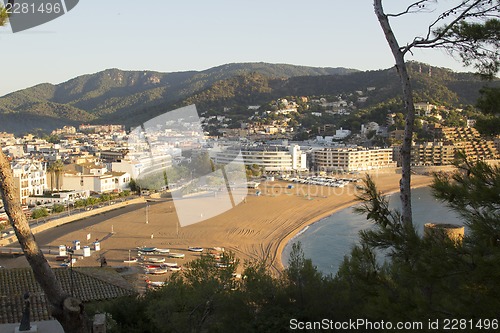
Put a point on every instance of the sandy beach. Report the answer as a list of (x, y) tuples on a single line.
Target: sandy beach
[(257, 228)]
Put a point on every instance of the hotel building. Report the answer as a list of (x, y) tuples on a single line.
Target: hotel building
[(352, 159), (271, 158)]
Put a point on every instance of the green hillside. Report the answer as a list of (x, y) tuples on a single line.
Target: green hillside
[(132, 97)]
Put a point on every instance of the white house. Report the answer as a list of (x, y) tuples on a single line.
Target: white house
[(341, 134), (30, 178), (100, 183)]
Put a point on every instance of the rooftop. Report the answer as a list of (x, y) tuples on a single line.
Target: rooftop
[(89, 284)]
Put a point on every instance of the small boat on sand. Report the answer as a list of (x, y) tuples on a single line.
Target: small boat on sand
[(155, 260), (174, 268), (130, 261), (195, 249), (155, 284), (170, 264), (147, 249), (162, 250), (158, 271), (176, 255)]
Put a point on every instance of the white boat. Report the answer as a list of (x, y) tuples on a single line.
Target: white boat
[(195, 249), (156, 283), (175, 268), (176, 255), (147, 249), (170, 264), (162, 250), (156, 260), (130, 261), (158, 271)]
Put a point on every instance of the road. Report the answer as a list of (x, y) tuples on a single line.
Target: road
[(48, 236)]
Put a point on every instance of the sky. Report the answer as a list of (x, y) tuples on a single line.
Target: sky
[(170, 36)]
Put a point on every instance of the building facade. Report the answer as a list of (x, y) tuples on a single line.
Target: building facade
[(30, 178), (63, 198), (142, 166), (352, 159), (448, 141), (428, 153), (271, 158), (104, 183)]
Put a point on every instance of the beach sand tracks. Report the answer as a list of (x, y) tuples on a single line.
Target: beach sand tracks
[(241, 232)]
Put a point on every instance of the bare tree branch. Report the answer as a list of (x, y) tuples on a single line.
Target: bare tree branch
[(420, 5), (419, 41)]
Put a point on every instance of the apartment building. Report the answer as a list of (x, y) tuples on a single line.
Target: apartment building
[(143, 165), (30, 178), (447, 142), (271, 158), (428, 153), (352, 159)]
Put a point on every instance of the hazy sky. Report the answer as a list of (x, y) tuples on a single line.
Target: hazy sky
[(168, 36)]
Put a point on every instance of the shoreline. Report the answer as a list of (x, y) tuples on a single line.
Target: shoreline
[(257, 229), (286, 240)]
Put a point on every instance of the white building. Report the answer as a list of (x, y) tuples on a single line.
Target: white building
[(30, 178), (271, 158), (352, 159), (424, 109), (371, 126), (142, 166), (100, 183), (62, 198), (341, 134), (94, 178)]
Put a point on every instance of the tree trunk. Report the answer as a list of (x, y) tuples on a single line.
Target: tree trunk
[(404, 185), (67, 310)]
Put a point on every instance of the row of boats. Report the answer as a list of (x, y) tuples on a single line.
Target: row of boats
[(324, 181), (161, 268), (158, 265), (155, 250)]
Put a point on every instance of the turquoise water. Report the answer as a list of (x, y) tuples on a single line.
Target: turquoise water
[(327, 241)]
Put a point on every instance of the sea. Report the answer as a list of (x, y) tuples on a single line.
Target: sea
[(327, 241)]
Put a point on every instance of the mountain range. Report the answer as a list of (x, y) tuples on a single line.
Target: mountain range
[(132, 97)]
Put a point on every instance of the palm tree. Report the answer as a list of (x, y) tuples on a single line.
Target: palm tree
[(55, 170)]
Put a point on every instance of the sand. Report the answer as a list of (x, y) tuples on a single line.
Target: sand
[(258, 228)]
